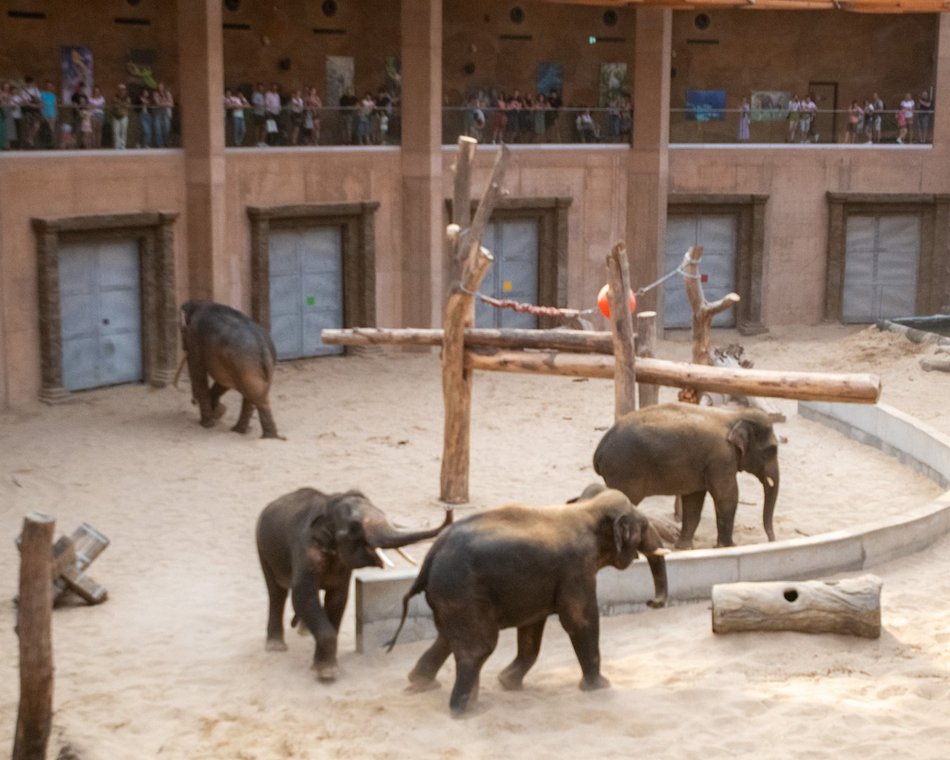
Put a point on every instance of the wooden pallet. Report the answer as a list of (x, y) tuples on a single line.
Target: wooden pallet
[(72, 555)]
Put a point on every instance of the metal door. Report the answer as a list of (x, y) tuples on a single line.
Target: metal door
[(717, 234), (306, 290), (880, 267), (101, 315), (513, 274)]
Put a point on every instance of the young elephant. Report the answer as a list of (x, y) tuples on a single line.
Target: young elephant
[(686, 450), (512, 567), (309, 541), (237, 353)]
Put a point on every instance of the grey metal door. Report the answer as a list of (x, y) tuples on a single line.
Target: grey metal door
[(880, 267), (513, 274), (717, 234), (101, 314), (306, 290)]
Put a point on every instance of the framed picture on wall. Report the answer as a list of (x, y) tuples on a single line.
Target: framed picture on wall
[(705, 105), (770, 105)]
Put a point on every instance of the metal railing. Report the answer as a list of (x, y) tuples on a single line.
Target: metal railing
[(249, 127), (537, 125)]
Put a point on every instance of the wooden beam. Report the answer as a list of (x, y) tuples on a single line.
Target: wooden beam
[(646, 337), (582, 341), (857, 388), (625, 374)]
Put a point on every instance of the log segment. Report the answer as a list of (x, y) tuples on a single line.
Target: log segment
[(851, 606), (625, 375)]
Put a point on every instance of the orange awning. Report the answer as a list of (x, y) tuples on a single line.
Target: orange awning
[(856, 6)]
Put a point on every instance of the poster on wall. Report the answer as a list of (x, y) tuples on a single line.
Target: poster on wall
[(549, 76), (770, 105), (76, 65), (613, 82), (393, 79), (339, 77), (141, 70), (705, 105)]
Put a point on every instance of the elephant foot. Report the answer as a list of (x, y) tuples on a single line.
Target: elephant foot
[(511, 679), (208, 422), (219, 411), (594, 683), (657, 603), (326, 671), (273, 434), (683, 545), (239, 428), (420, 685), (275, 645)]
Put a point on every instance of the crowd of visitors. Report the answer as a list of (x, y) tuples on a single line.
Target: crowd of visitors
[(913, 119), (33, 117)]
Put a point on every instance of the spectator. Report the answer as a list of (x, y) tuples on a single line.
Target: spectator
[(554, 106), (794, 107), (48, 112), (296, 109), (382, 115), (31, 104), (162, 105), (499, 119), (476, 118), (348, 103), (745, 120), (143, 106), (855, 116), (86, 137), (806, 119), (272, 106), (97, 104), (879, 108), (869, 117), (540, 114), (364, 112), (235, 103), (259, 102), (925, 112), (121, 103), (905, 120), (6, 116), (587, 129), (311, 118)]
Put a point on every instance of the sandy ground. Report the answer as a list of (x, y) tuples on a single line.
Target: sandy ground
[(173, 664)]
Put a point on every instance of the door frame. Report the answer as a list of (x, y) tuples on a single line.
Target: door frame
[(833, 109), (933, 280), (358, 251), (154, 233)]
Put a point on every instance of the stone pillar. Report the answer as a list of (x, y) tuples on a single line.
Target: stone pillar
[(941, 146), (648, 169), (941, 120), (421, 162), (201, 64)]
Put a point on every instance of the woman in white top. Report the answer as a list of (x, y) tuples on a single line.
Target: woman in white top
[(905, 119)]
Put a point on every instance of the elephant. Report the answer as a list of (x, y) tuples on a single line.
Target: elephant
[(512, 566), (307, 541), (237, 353), (686, 450)]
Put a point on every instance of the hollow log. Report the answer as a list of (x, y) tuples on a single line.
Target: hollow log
[(35, 714), (857, 388), (625, 375), (646, 349), (581, 341), (851, 606)]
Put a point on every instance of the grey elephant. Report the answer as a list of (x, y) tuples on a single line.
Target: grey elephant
[(686, 450), (310, 541), (512, 567), (237, 353)]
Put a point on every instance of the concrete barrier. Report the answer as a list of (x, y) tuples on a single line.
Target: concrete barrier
[(692, 574)]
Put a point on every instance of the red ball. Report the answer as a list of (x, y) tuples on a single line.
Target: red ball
[(603, 302)]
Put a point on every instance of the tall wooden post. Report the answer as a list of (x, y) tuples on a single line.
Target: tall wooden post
[(625, 375), (646, 348), (35, 613), (459, 314)]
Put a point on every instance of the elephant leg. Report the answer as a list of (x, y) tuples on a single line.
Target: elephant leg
[(726, 501), (529, 644), (277, 598), (422, 676), (198, 374), (472, 647), (217, 408), (268, 426), (581, 619), (247, 409), (334, 602), (692, 509)]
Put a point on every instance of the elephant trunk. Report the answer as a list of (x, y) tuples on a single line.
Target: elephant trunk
[(381, 535), (770, 489), (658, 569)]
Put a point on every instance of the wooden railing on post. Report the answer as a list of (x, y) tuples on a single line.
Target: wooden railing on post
[(646, 348), (625, 374), (474, 261), (35, 612)]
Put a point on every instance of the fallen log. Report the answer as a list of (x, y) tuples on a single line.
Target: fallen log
[(805, 386), (580, 341), (851, 606)]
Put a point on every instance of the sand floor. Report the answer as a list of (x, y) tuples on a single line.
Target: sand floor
[(173, 664)]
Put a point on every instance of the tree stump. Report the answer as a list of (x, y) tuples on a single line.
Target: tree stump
[(851, 606)]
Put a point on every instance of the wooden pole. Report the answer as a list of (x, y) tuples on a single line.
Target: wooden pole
[(646, 349), (850, 606), (459, 314), (581, 341), (856, 388), (35, 612), (625, 373)]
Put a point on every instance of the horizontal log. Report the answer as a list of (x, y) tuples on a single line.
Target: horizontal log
[(805, 386), (851, 606), (475, 337)]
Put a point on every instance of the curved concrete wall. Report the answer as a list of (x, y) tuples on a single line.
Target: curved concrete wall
[(692, 574)]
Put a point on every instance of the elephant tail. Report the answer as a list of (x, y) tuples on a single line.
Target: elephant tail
[(418, 586)]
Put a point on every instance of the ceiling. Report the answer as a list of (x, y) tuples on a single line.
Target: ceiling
[(857, 6)]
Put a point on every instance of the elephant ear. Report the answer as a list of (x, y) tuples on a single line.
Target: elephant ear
[(650, 541), (623, 531), (738, 436), (321, 533)]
